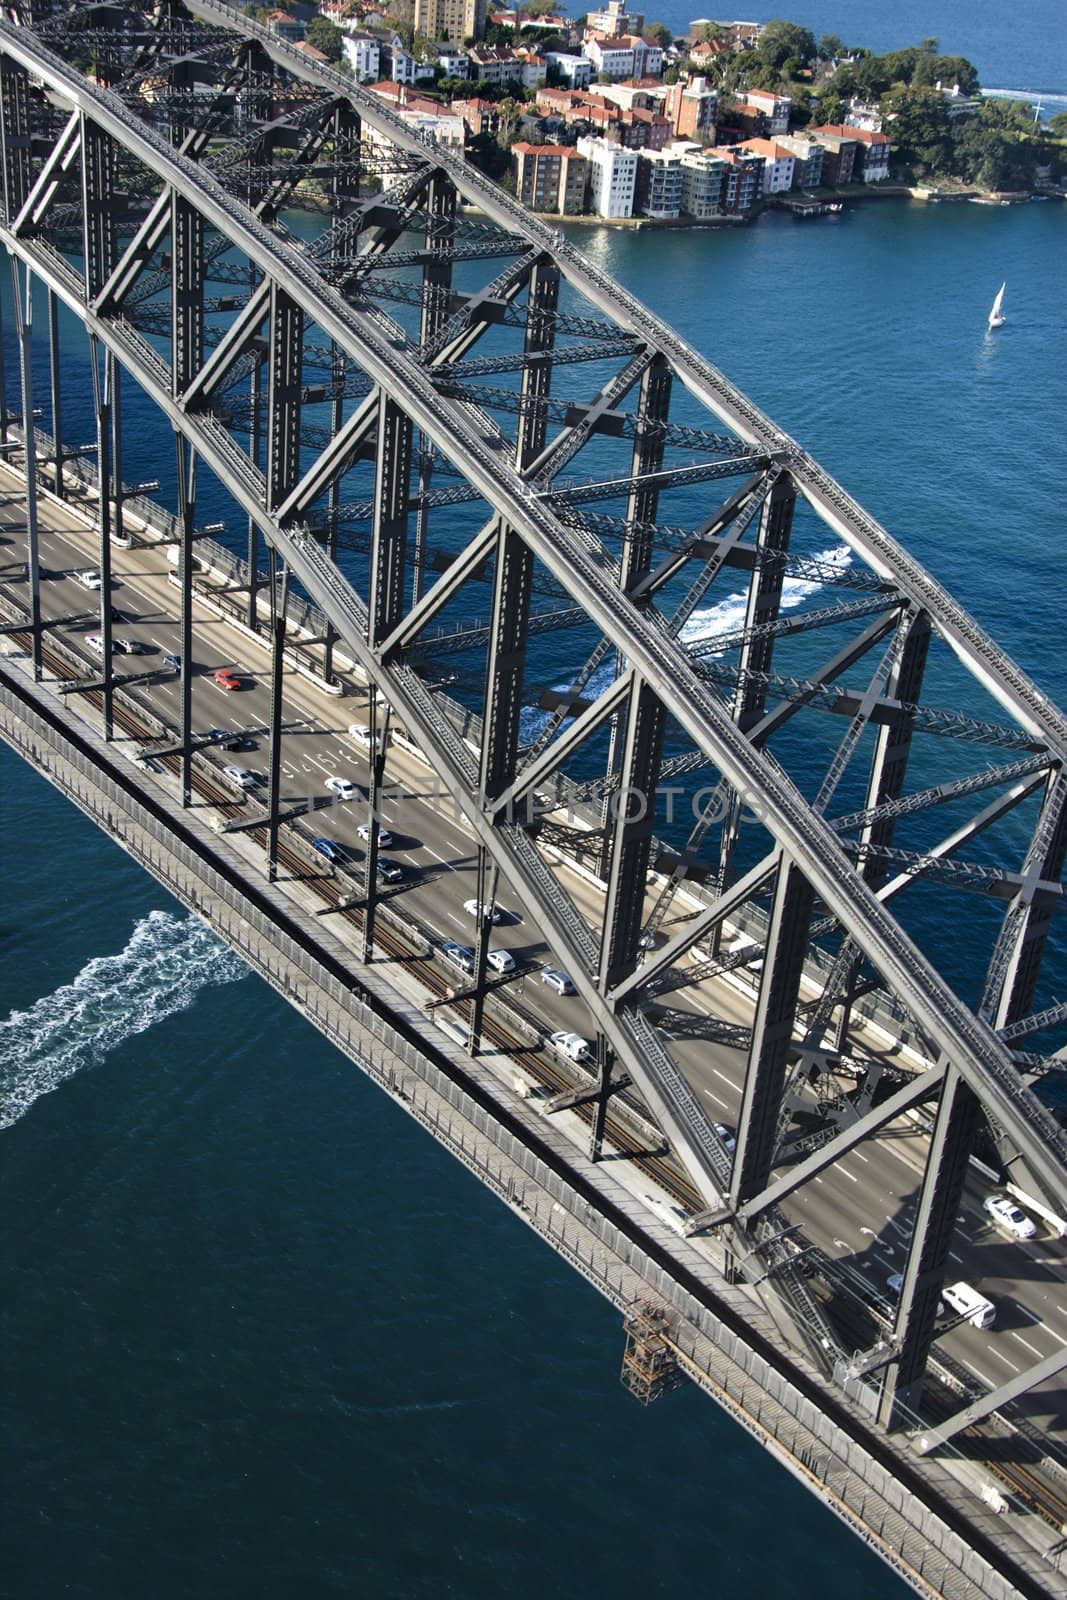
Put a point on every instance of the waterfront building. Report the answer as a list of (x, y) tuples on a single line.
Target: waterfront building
[(742, 180), (363, 54), (612, 177), (703, 178), (871, 151), (840, 156), (450, 19), (658, 190), (861, 115), (808, 155), (615, 20), (774, 107), (576, 71), (778, 164), (550, 177), (692, 109)]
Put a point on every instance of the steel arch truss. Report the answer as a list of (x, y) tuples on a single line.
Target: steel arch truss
[(332, 390)]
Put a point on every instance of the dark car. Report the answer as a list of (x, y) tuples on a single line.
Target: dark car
[(327, 848), (389, 871), (224, 740), (172, 661)]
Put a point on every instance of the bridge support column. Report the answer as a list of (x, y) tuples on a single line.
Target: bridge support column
[(653, 410), (512, 579), (102, 404), (279, 594), (255, 443), (24, 323), (889, 766), (764, 603), (951, 1143), (186, 477), (783, 967), (56, 395), (389, 541), (118, 526), (542, 299)]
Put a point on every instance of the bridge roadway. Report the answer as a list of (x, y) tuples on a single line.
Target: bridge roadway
[(858, 1211)]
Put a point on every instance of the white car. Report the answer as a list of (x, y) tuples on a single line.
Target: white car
[(241, 777), (726, 1135), (363, 736), (90, 578), (571, 1045), (474, 908), (500, 960), (343, 788), (95, 643), (384, 836), (1006, 1214)]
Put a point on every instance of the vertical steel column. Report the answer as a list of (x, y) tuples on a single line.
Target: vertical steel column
[(24, 324), (333, 499), (283, 466), (187, 293), (772, 1030), (14, 136), (118, 482), (279, 596), (56, 393), (502, 709), (345, 134), (98, 205), (889, 766), (186, 477), (102, 404), (542, 299), (4, 418), (630, 840), (764, 601), (947, 1161), (389, 538), (440, 201), (653, 410), (254, 445)]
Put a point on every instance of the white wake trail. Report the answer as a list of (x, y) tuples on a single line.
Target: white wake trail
[(166, 963)]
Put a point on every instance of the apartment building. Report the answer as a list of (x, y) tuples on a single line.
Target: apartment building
[(550, 177), (612, 177), (451, 19)]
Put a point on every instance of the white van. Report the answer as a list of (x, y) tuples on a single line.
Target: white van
[(970, 1304)]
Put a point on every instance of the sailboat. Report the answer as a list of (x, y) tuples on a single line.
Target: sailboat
[(996, 318)]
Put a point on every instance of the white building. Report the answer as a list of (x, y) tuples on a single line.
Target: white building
[(617, 61), (576, 71), (453, 63), (659, 183), (363, 55), (612, 177), (775, 107), (703, 176)]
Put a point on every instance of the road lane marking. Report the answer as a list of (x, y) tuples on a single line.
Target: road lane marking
[(851, 1176), (1026, 1343), (718, 1099), (1001, 1357)]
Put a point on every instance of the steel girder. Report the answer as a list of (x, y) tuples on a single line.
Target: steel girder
[(526, 528)]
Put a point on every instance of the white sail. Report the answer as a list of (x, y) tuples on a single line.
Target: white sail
[(995, 316)]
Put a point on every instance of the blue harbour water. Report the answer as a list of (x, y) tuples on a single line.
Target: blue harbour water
[(262, 1337)]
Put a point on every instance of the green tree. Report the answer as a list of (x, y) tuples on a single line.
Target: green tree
[(918, 124), (322, 35), (781, 40), (1057, 125), (827, 109), (830, 47), (659, 33)]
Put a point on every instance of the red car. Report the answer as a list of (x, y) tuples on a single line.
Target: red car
[(226, 679)]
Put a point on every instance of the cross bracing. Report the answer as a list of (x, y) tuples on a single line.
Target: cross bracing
[(298, 454)]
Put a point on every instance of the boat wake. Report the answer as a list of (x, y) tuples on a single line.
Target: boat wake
[(168, 960)]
